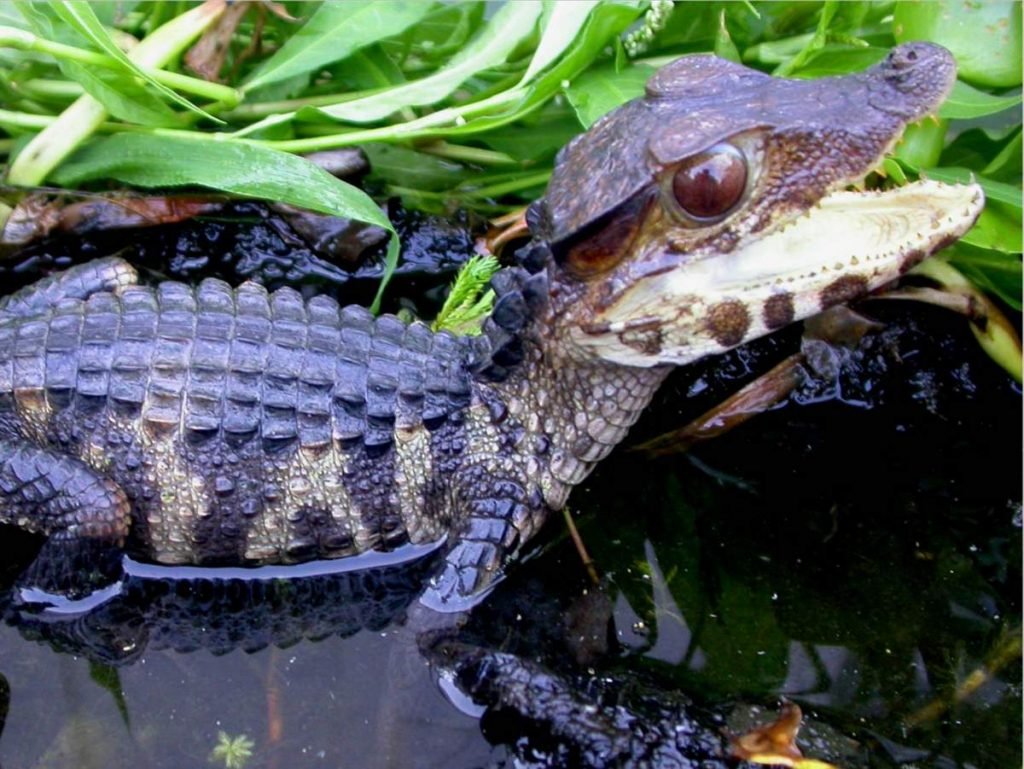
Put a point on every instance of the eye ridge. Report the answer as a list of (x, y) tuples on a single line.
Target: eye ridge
[(708, 186)]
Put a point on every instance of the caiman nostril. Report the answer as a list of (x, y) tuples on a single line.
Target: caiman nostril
[(920, 73)]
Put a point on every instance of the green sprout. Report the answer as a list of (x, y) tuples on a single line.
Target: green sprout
[(465, 308), (234, 752)]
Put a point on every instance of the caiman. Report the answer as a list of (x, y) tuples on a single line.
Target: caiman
[(215, 425)]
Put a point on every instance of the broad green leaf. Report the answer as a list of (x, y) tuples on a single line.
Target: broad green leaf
[(605, 24), (695, 26), (334, 32), (995, 154), (80, 15), (840, 60), (401, 166), (123, 97), (1007, 164), (985, 37), (997, 228), (112, 13), (996, 272), (562, 23), (438, 36), (242, 169), (512, 23), (10, 17), (1004, 193), (922, 142), (601, 89), (372, 69), (536, 138), (725, 48), (966, 102)]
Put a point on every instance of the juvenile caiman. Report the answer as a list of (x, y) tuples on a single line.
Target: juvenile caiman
[(218, 425)]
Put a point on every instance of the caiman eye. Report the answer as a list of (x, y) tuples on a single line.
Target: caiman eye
[(603, 244), (707, 186)]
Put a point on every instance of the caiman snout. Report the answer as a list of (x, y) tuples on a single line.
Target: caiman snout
[(920, 73)]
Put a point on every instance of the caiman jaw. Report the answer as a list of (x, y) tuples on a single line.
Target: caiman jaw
[(851, 243)]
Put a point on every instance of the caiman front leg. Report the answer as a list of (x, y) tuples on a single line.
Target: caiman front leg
[(84, 515), (78, 282), (494, 516)]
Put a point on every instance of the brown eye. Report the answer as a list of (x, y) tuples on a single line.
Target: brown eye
[(603, 244), (709, 185), (604, 249)]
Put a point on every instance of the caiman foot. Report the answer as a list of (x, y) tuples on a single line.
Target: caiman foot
[(85, 517)]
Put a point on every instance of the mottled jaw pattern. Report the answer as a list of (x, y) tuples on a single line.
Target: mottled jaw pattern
[(851, 243)]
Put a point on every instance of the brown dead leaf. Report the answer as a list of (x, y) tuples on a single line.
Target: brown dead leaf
[(206, 58), (775, 743)]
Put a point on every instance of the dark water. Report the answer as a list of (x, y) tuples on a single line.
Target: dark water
[(858, 554)]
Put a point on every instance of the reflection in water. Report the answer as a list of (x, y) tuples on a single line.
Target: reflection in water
[(313, 669)]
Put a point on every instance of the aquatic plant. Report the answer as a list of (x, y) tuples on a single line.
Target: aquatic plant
[(233, 752)]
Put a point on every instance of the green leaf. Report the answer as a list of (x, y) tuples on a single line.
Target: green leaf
[(334, 32), (985, 37), (1007, 164), (119, 92), (537, 137), (123, 97), (243, 169), (601, 89), (725, 48), (994, 271), (840, 60), (922, 142), (997, 228), (438, 36), (604, 25), (562, 23), (108, 678), (1004, 193), (405, 167), (79, 15), (504, 32), (993, 154), (966, 102)]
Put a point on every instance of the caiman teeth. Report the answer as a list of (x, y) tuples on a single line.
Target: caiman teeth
[(880, 232)]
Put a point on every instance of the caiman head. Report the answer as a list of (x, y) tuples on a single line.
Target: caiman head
[(719, 207)]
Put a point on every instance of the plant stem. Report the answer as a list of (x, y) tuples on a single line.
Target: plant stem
[(427, 126), (79, 121), (443, 149), (64, 90), (514, 185), (265, 108), (26, 41), (994, 332), (25, 120)]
